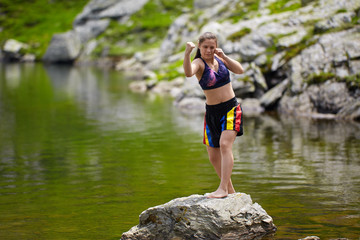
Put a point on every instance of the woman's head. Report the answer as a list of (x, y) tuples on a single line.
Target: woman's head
[(207, 44)]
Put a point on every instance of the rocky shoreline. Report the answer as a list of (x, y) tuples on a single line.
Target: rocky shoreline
[(304, 61)]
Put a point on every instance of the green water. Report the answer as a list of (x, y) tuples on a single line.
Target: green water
[(81, 157)]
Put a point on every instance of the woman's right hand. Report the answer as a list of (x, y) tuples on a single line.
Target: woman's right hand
[(189, 47)]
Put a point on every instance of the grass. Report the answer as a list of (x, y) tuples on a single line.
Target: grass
[(146, 28), (35, 21), (170, 71), (238, 35), (283, 6), (352, 81)]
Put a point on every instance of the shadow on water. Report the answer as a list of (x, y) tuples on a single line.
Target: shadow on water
[(81, 157)]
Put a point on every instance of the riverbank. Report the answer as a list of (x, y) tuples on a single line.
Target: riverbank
[(300, 58)]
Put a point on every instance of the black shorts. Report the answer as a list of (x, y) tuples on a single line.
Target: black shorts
[(220, 117)]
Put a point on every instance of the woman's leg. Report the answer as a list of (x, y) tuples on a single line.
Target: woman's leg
[(215, 159), (223, 166)]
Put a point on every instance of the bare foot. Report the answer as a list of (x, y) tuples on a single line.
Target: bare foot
[(220, 193)]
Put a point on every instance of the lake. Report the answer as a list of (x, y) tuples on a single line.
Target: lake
[(81, 157)]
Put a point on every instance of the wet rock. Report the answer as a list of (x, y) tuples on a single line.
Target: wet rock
[(64, 47), (251, 107), (198, 217), (329, 97), (191, 105), (296, 105), (273, 95), (138, 86), (28, 58), (310, 238), (12, 50), (350, 111), (167, 87)]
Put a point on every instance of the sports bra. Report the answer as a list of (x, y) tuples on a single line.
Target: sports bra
[(211, 79)]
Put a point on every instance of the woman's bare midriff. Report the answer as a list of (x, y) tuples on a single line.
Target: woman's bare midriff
[(219, 95)]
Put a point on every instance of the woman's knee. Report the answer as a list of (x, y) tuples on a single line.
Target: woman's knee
[(226, 144)]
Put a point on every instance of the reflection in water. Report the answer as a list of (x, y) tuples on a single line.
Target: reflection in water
[(81, 157)]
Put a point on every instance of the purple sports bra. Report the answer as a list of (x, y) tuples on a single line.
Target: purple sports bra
[(211, 79)]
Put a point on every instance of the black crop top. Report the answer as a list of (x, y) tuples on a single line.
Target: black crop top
[(211, 79)]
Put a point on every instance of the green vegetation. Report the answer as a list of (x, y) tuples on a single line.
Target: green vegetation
[(296, 49), (320, 78), (355, 20), (34, 22), (283, 6), (238, 35), (289, 52), (243, 8), (144, 30), (170, 71), (352, 81)]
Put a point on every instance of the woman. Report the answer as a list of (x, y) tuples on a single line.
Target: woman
[(223, 118)]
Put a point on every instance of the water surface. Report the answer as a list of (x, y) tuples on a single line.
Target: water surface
[(81, 157)]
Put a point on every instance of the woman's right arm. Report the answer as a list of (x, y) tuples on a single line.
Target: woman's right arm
[(190, 68)]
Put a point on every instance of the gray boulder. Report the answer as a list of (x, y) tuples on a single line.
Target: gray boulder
[(273, 95), (91, 29), (251, 107), (175, 33), (12, 50), (350, 111), (198, 217), (64, 47), (191, 105), (99, 9), (332, 53), (329, 97)]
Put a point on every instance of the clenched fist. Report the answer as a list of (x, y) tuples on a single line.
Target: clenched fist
[(189, 47), (219, 52)]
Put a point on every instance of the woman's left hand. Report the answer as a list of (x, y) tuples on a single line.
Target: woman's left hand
[(219, 52)]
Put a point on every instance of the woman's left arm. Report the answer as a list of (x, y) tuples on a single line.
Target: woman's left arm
[(230, 63)]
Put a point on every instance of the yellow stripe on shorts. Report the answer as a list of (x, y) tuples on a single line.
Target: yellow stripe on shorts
[(230, 119)]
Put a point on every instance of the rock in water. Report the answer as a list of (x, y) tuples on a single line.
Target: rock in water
[(198, 217), (64, 47)]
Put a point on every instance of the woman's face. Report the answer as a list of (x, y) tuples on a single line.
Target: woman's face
[(207, 48)]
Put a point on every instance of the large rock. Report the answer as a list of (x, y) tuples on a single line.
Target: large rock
[(335, 53), (198, 217), (350, 111), (270, 98), (329, 97), (100, 9), (175, 33), (91, 29), (64, 47)]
